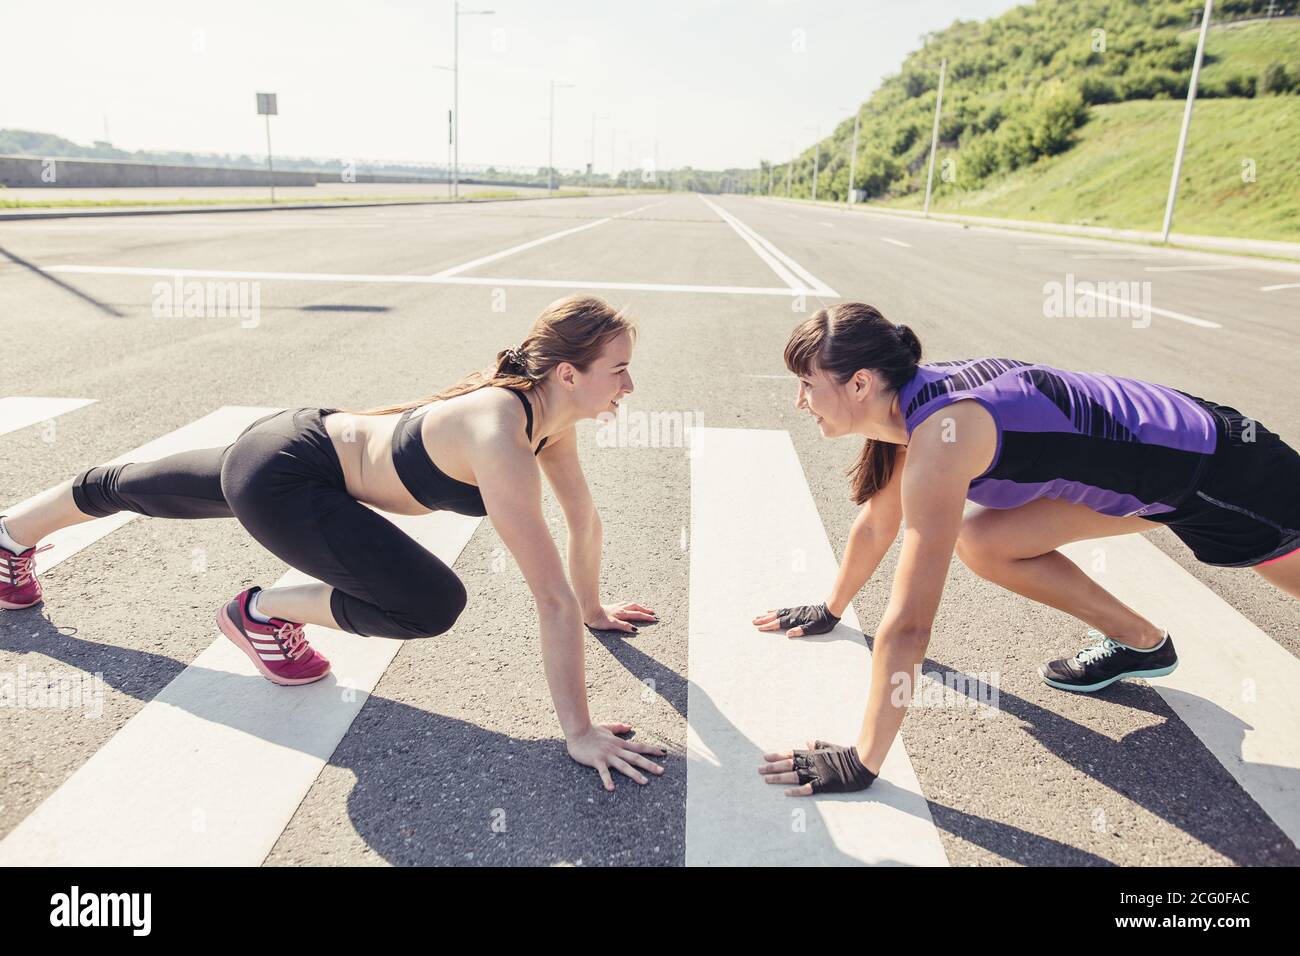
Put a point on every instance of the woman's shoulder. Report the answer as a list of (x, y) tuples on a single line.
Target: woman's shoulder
[(490, 414)]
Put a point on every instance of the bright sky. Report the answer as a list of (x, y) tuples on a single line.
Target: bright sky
[(709, 83)]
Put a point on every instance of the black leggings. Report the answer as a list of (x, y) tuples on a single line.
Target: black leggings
[(282, 479)]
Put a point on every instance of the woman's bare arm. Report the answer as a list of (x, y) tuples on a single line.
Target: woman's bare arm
[(510, 483)]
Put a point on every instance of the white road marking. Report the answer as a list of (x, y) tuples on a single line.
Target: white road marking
[(751, 692), (211, 771), (1116, 255), (784, 274), (1204, 268), (213, 430), (429, 280), (633, 212), (484, 260), (1189, 319), (1275, 288), (828, 225), (1235, 688), (1054, 246), (20, 411), (779, 262), (896, 242)]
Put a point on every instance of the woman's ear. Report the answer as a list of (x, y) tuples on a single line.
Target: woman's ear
[(863, 380)]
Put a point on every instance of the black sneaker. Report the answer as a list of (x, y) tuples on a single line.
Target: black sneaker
[(1108, 661)]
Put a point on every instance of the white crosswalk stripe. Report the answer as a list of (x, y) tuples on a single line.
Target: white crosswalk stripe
[(742, 682), (18, 411)]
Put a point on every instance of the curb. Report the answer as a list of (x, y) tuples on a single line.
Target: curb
[(1266, 248)]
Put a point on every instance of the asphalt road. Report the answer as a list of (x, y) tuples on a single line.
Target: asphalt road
[(459, 731)]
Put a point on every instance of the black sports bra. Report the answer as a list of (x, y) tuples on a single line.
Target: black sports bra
[(426, 482)]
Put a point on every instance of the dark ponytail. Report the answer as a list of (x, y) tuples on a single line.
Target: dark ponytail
[(841, 340)]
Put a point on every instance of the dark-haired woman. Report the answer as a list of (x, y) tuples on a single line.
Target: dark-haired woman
[(1054, 457), (300, 481)]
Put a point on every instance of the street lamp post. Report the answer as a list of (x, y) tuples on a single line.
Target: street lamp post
[(817, 157), (853, 156), (1187, 121), (934, 134), (591, 167), (612, 133), (550, 150), (457, 13), (450, 137)]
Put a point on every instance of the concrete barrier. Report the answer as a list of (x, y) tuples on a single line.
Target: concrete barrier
[(56, 171)]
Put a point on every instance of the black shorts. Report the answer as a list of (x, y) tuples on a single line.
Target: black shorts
[(1245, 509)]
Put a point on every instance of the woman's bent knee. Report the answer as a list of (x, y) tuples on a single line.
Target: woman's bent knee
[(974, 547), (433, 616), (94, 491)]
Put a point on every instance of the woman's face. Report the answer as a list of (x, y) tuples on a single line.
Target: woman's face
[(827, 402), (607, 380)]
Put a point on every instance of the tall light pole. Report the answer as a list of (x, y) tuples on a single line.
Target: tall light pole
[(456, 14), (934, 134), (817, 158), (853, 156), (789, 171), (1187, 122), (591, 167), (612, 169), (450, 137), (550, 149)]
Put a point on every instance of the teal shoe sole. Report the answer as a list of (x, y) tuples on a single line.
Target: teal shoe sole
[(1090, 688)]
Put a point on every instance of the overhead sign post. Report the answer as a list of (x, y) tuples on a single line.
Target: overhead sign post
[(266, 106)]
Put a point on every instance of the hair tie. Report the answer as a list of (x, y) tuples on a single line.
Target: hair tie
[(514, 356), (901, 329)]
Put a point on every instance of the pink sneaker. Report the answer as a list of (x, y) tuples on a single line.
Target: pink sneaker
[(18, 585), (278, 649)]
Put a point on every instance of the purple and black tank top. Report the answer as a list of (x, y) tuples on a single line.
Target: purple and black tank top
[(1117, 445)]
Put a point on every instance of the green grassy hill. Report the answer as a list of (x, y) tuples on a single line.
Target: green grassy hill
[(1117, 174), (1068, 111)]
